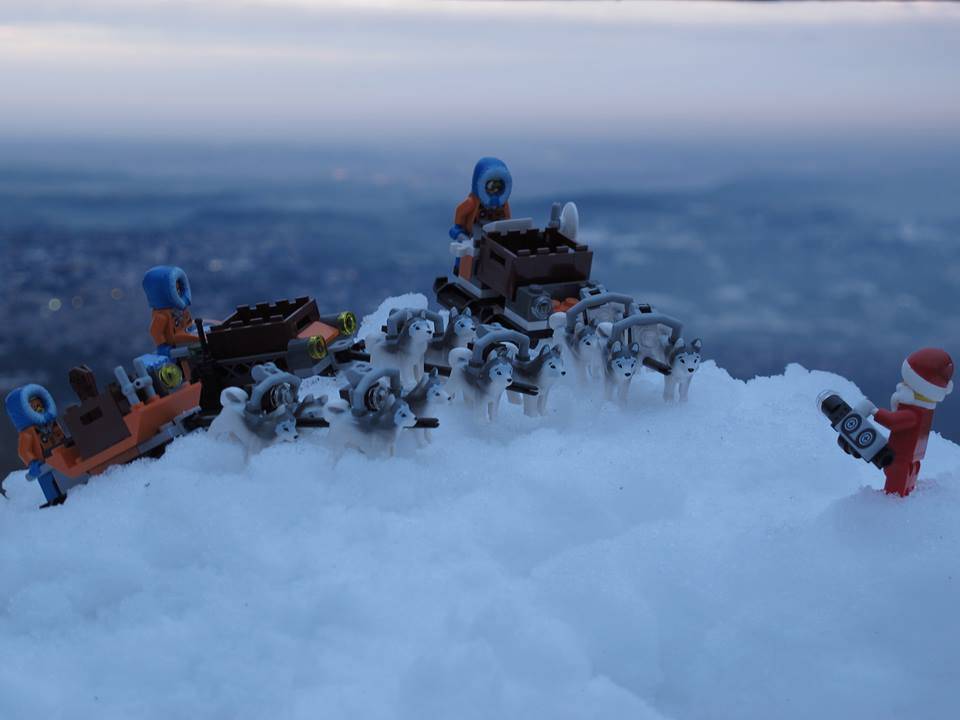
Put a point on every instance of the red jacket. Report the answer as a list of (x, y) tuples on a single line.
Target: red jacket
[(909, 429)]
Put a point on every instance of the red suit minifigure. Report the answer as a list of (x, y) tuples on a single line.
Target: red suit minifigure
[(927, 380)]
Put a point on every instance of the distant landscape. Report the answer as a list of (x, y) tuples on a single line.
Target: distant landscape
[(839, 270)]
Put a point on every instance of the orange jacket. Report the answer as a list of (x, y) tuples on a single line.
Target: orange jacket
[(170, 328), (31, 447), (470, 211)]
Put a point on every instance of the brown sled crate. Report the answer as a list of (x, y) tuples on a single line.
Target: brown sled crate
[(262, 328), (508, 260)]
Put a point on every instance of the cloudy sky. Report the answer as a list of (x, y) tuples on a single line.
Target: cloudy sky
[(312, 69)]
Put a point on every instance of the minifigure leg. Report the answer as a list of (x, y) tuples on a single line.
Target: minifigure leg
[(51, 491)]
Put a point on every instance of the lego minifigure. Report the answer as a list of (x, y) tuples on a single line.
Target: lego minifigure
[(488, 201), (34, 414), (927, 379), (168, 292)]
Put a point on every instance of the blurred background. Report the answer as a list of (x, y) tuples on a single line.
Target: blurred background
[(782, 177)]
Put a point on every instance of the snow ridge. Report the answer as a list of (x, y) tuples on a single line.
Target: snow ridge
[(718, 559)]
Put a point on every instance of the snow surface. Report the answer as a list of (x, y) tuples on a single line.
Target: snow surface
[(719, 559)]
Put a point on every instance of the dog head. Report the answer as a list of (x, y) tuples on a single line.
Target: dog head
[(498, 370), (465, 327), (553, 366), (622, 360), (685, 359)]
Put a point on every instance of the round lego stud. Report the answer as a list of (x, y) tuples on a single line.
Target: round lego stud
[(170, 376), (317, 347), (348, 322)]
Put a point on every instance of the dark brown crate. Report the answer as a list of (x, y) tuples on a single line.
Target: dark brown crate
[(506, 261), (262, 328)]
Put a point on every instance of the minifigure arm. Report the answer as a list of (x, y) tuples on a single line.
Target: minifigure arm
[(184, 336), (465, 215), (895, 419), (160, 329), (28, 447)]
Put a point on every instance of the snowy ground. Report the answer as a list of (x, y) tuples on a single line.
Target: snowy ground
[(720, 559)]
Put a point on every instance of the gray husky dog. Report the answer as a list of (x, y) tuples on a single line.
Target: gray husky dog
[(425, 399), (585, 346), (371, 432), (460, 331), (542, 371), (481, 389), (403, 342), (619, 367), (684, 361)]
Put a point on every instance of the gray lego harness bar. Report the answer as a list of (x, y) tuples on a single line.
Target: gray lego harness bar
[(628, 303), (500, 336), (643, 319), (266, 385), (358, 396)]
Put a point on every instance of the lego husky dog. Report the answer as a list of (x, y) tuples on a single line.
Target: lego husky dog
[(373, 432), (481, 387), (585, 346), (619, 367), (425, 400), (460, 331), (543, 371), (405, 346), (684, 361)]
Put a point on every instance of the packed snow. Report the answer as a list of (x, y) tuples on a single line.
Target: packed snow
[(715, 559)]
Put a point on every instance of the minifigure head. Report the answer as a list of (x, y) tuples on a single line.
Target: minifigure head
[(30, 405), (492, 182), (929, 373), (167, 288)]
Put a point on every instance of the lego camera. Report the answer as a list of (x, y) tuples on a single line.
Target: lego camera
[(858, 435)]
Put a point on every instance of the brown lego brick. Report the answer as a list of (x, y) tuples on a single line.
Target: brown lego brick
[(509, 260), (95, 424), (263, 328)]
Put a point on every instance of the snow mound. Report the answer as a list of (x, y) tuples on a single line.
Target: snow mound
[(719, 559), (373, 322)]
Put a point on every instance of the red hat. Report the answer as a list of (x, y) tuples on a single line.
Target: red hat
[(928, 371)]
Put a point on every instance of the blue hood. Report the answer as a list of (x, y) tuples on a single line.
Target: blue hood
[(160, 285), (24, 416), (491, 168)]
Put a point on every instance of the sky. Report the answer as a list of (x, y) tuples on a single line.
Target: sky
[(308, 70)]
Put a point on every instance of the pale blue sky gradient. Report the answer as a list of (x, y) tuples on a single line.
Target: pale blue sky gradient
[(305, 71)]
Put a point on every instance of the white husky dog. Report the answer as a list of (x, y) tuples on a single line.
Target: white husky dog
[(373, 433), (584, 347), (543, 371), (427, 399), (405, 351), (482, 386), (684, 361), (619, 368)]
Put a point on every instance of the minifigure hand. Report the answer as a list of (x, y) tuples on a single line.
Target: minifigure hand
[(456, 231)]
